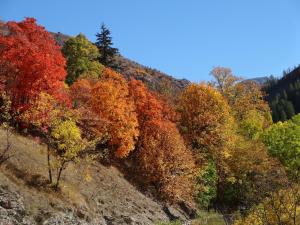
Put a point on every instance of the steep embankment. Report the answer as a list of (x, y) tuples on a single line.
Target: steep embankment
[(93, 194)]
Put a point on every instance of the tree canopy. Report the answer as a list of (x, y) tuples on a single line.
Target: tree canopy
[(82, 59), (104, 44)]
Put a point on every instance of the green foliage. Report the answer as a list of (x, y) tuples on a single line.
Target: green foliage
[(208, 182), (176, 222), (208, 218), (104, 44), (282, 108), (283, 142), (82, 58), (283, 95), (252, 124)]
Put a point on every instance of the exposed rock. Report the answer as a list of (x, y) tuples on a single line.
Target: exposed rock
[(12, 210), (108, 198)]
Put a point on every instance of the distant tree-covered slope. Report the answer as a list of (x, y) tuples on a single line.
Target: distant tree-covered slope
[(153, 78), (283, 95), (259, 80)]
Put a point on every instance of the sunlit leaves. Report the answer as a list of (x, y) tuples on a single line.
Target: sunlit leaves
[(161, 157), (82, 59), (109, 109), (283, 141), (31, 63), (204, 115)]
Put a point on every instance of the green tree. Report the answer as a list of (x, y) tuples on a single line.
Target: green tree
[(104, 44), (283, 142), (207, 192), (289, 109), (252, 124), (82, 59)]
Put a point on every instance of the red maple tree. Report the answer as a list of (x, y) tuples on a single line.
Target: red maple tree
[(31, 62)]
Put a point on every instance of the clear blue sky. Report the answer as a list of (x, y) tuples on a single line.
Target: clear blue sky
[(185, 38)]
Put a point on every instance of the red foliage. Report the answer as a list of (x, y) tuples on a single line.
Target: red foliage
[(161, 157), (148, 104), (31, 62), (106, 108)]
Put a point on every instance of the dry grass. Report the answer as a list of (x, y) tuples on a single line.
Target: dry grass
[(91, 188)]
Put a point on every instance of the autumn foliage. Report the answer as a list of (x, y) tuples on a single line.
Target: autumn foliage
[(108, 109), (204, 116), (215, 145), (161, 156), (111, 102), (31, 62)]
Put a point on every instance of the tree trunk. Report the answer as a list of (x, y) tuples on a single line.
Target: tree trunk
[(59, 175), (49, 165), (4, 155)]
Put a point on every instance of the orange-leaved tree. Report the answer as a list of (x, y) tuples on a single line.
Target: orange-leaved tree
[(207, 127), (204, 117), (111, 102), (31, 62), (107, 109), (161, 158)]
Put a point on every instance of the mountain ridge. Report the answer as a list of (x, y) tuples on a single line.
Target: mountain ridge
[(156, 80)]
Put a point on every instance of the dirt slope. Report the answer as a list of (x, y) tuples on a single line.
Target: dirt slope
[(92, 194)]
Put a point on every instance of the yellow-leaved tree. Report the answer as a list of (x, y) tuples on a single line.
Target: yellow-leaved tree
[(207, 126), (281, 207), (56, 125), (67, 144)]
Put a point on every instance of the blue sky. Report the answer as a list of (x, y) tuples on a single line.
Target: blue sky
[(184, 38)]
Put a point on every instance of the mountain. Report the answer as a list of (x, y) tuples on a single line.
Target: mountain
[(156, 80), (283, 95), (259, 80)]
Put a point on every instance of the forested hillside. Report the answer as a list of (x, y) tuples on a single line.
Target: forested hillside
[(191, 148), (283, 95), (154, 79)]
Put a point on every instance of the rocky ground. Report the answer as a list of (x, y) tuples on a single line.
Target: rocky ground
[(90, 194)]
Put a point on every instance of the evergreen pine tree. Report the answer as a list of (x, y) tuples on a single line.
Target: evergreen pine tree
[(282, 114), (289, 109), (104, 44)]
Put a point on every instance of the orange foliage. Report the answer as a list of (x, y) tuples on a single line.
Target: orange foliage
[(89, 122), (241, 96), (31, 62), (204, 116), (148, 105), (81, 92), (164, 161), (161, 157), (107, 108), (249, 96), (42, 112)]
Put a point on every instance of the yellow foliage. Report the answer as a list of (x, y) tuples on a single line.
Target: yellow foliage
[(282, 207), (67, 137)]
